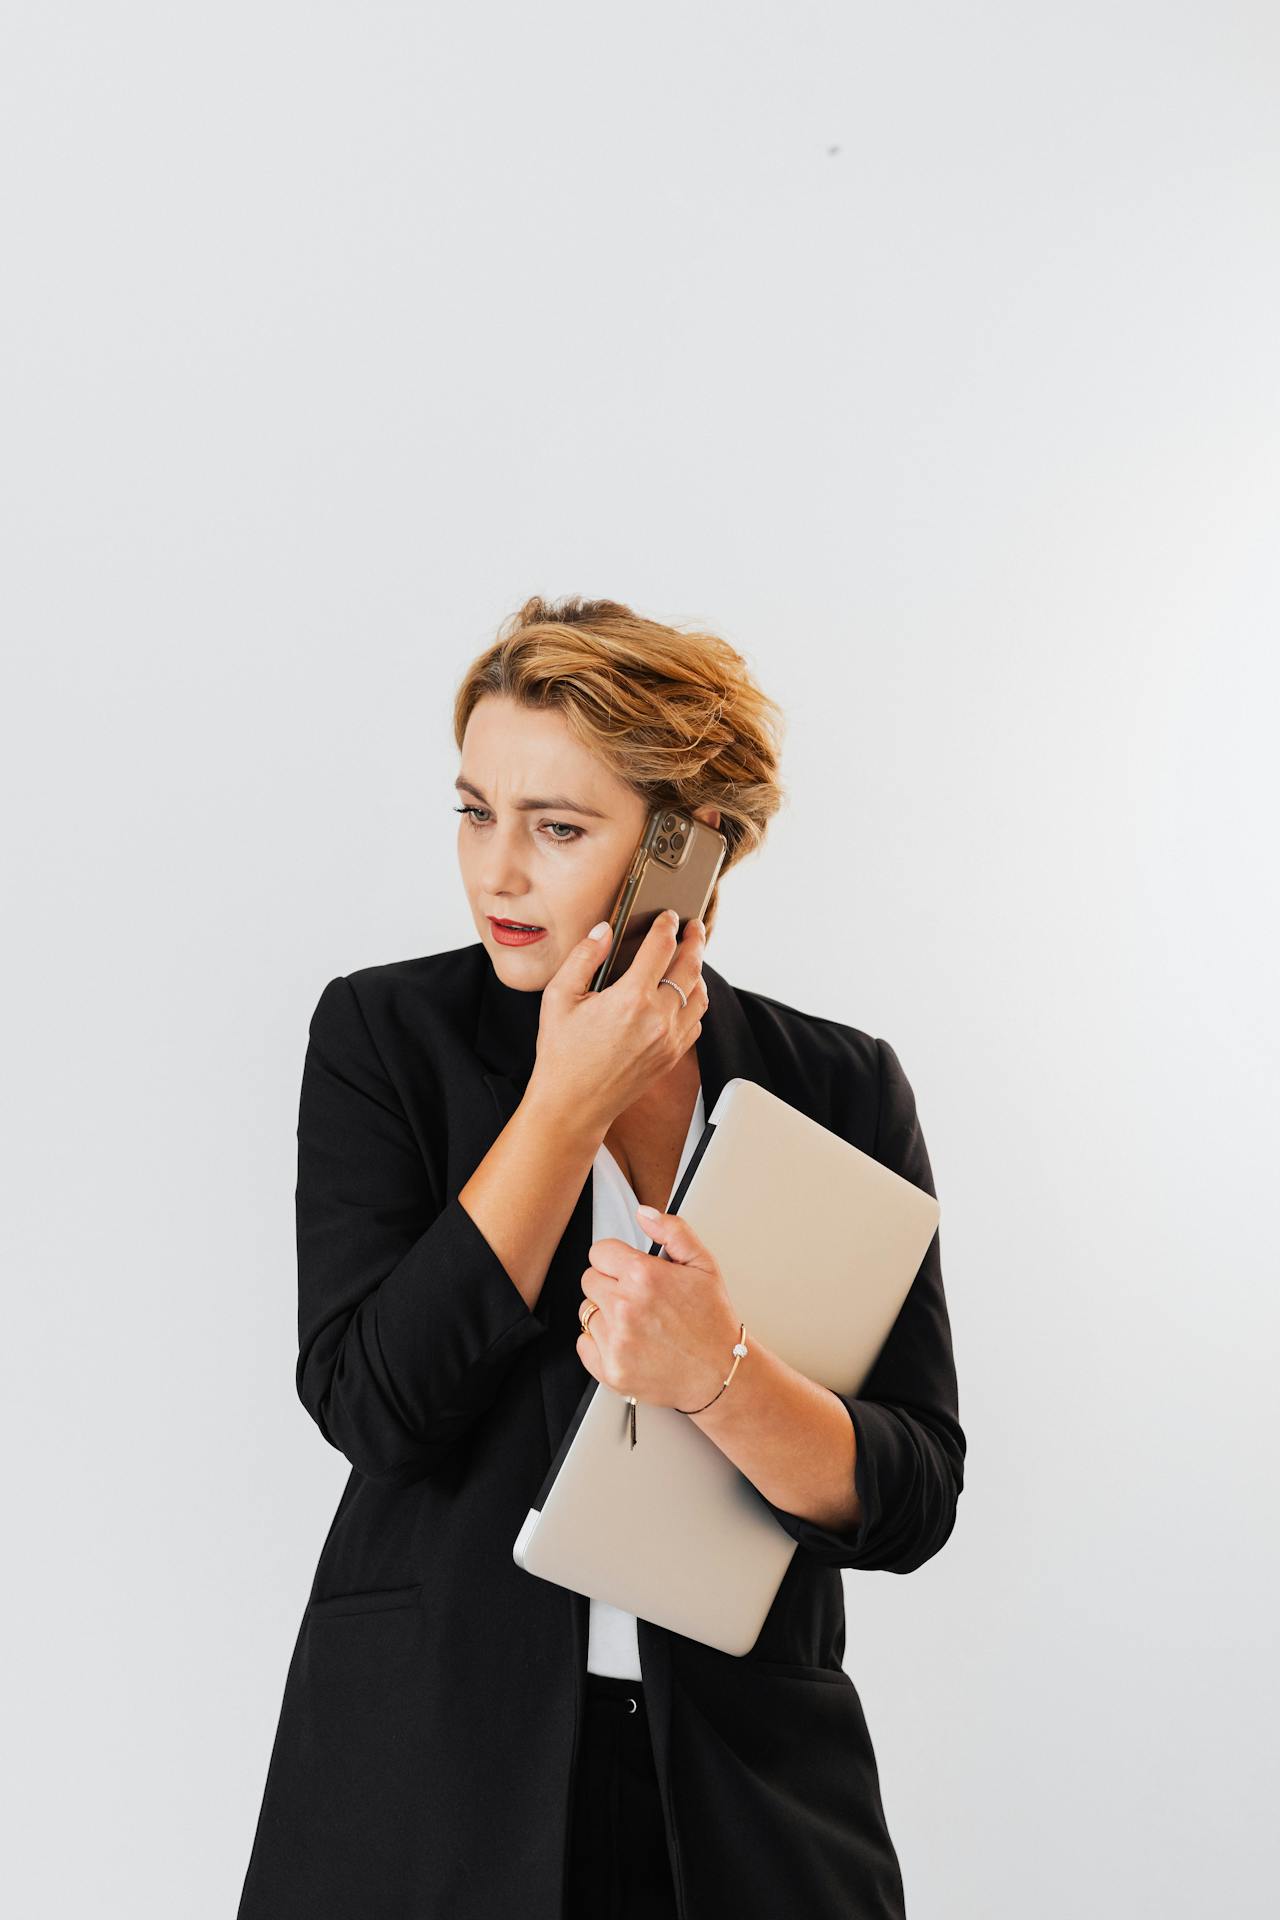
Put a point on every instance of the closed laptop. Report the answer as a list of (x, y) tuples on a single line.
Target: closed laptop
[(818, 1243)]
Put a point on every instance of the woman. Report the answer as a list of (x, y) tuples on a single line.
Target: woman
[(476, 1130)]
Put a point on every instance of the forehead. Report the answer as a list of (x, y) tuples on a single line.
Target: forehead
[(522, 751)]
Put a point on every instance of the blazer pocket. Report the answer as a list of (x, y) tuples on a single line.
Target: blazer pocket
[(362, 1653), (370, 1600)]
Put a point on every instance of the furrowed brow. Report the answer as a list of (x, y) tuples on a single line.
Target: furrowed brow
[(534, 806)]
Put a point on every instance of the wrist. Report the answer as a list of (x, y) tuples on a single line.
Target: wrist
[(572, 1128), (708, 1404)]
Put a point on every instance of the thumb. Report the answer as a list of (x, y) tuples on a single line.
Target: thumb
[(676, 1237), (580, 963)]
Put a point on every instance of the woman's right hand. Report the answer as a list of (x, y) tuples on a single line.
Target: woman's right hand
[(598, 1052)]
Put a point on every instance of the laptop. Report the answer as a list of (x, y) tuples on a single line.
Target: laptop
[(819, 1244)]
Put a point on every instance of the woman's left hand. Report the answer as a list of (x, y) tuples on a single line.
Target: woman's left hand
[(666, 1328)]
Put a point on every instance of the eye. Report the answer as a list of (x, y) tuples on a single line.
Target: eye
[(564, 839)]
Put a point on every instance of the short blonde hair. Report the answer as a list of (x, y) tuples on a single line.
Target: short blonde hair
[(673, 713)]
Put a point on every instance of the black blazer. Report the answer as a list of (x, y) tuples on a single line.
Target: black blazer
[(423, 1759)]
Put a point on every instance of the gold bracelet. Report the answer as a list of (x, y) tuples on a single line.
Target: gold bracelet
[(739, 1355)]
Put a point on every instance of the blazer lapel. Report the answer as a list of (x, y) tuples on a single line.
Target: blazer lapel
[(506, 1041)]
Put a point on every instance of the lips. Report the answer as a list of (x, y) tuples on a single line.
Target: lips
[(521, 926)]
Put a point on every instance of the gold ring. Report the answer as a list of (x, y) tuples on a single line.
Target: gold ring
[(585, 1312)]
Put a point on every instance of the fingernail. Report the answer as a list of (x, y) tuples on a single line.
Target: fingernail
[(672, 914), (598, 932), (648, 1213)]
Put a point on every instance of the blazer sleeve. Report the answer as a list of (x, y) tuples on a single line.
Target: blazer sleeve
[(407, 1319), (910, 1447)]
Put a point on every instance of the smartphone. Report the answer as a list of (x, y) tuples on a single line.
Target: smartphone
[(675, 865)]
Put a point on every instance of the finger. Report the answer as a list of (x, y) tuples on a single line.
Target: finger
[(613, 1258), (676, 1237), (686, 967), (653, 956), (579, 965)]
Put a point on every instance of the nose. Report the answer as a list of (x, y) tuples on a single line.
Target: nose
[(500, 875)]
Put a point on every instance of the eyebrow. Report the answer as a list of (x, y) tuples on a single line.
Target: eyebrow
[(532, 806)]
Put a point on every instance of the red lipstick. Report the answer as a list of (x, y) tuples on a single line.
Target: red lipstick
[(511, 934)]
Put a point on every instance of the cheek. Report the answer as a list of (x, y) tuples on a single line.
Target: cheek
[(589, 877), (566, 886)]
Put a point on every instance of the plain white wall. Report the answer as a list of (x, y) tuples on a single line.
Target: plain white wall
[(928, 353)]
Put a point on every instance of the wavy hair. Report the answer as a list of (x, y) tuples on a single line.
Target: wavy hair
[(672, 712)]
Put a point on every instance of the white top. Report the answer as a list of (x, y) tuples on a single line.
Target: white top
[(612, 1643)]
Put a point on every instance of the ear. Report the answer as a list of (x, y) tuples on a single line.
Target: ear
[(709, 816)]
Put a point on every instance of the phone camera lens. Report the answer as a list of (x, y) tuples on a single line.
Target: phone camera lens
[(677, 840)]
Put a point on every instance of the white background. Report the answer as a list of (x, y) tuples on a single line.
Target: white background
[(927, 352)]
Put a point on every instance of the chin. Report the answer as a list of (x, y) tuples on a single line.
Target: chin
[(517, 967)]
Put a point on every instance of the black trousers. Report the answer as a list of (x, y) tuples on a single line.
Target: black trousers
[(619, 1868)]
